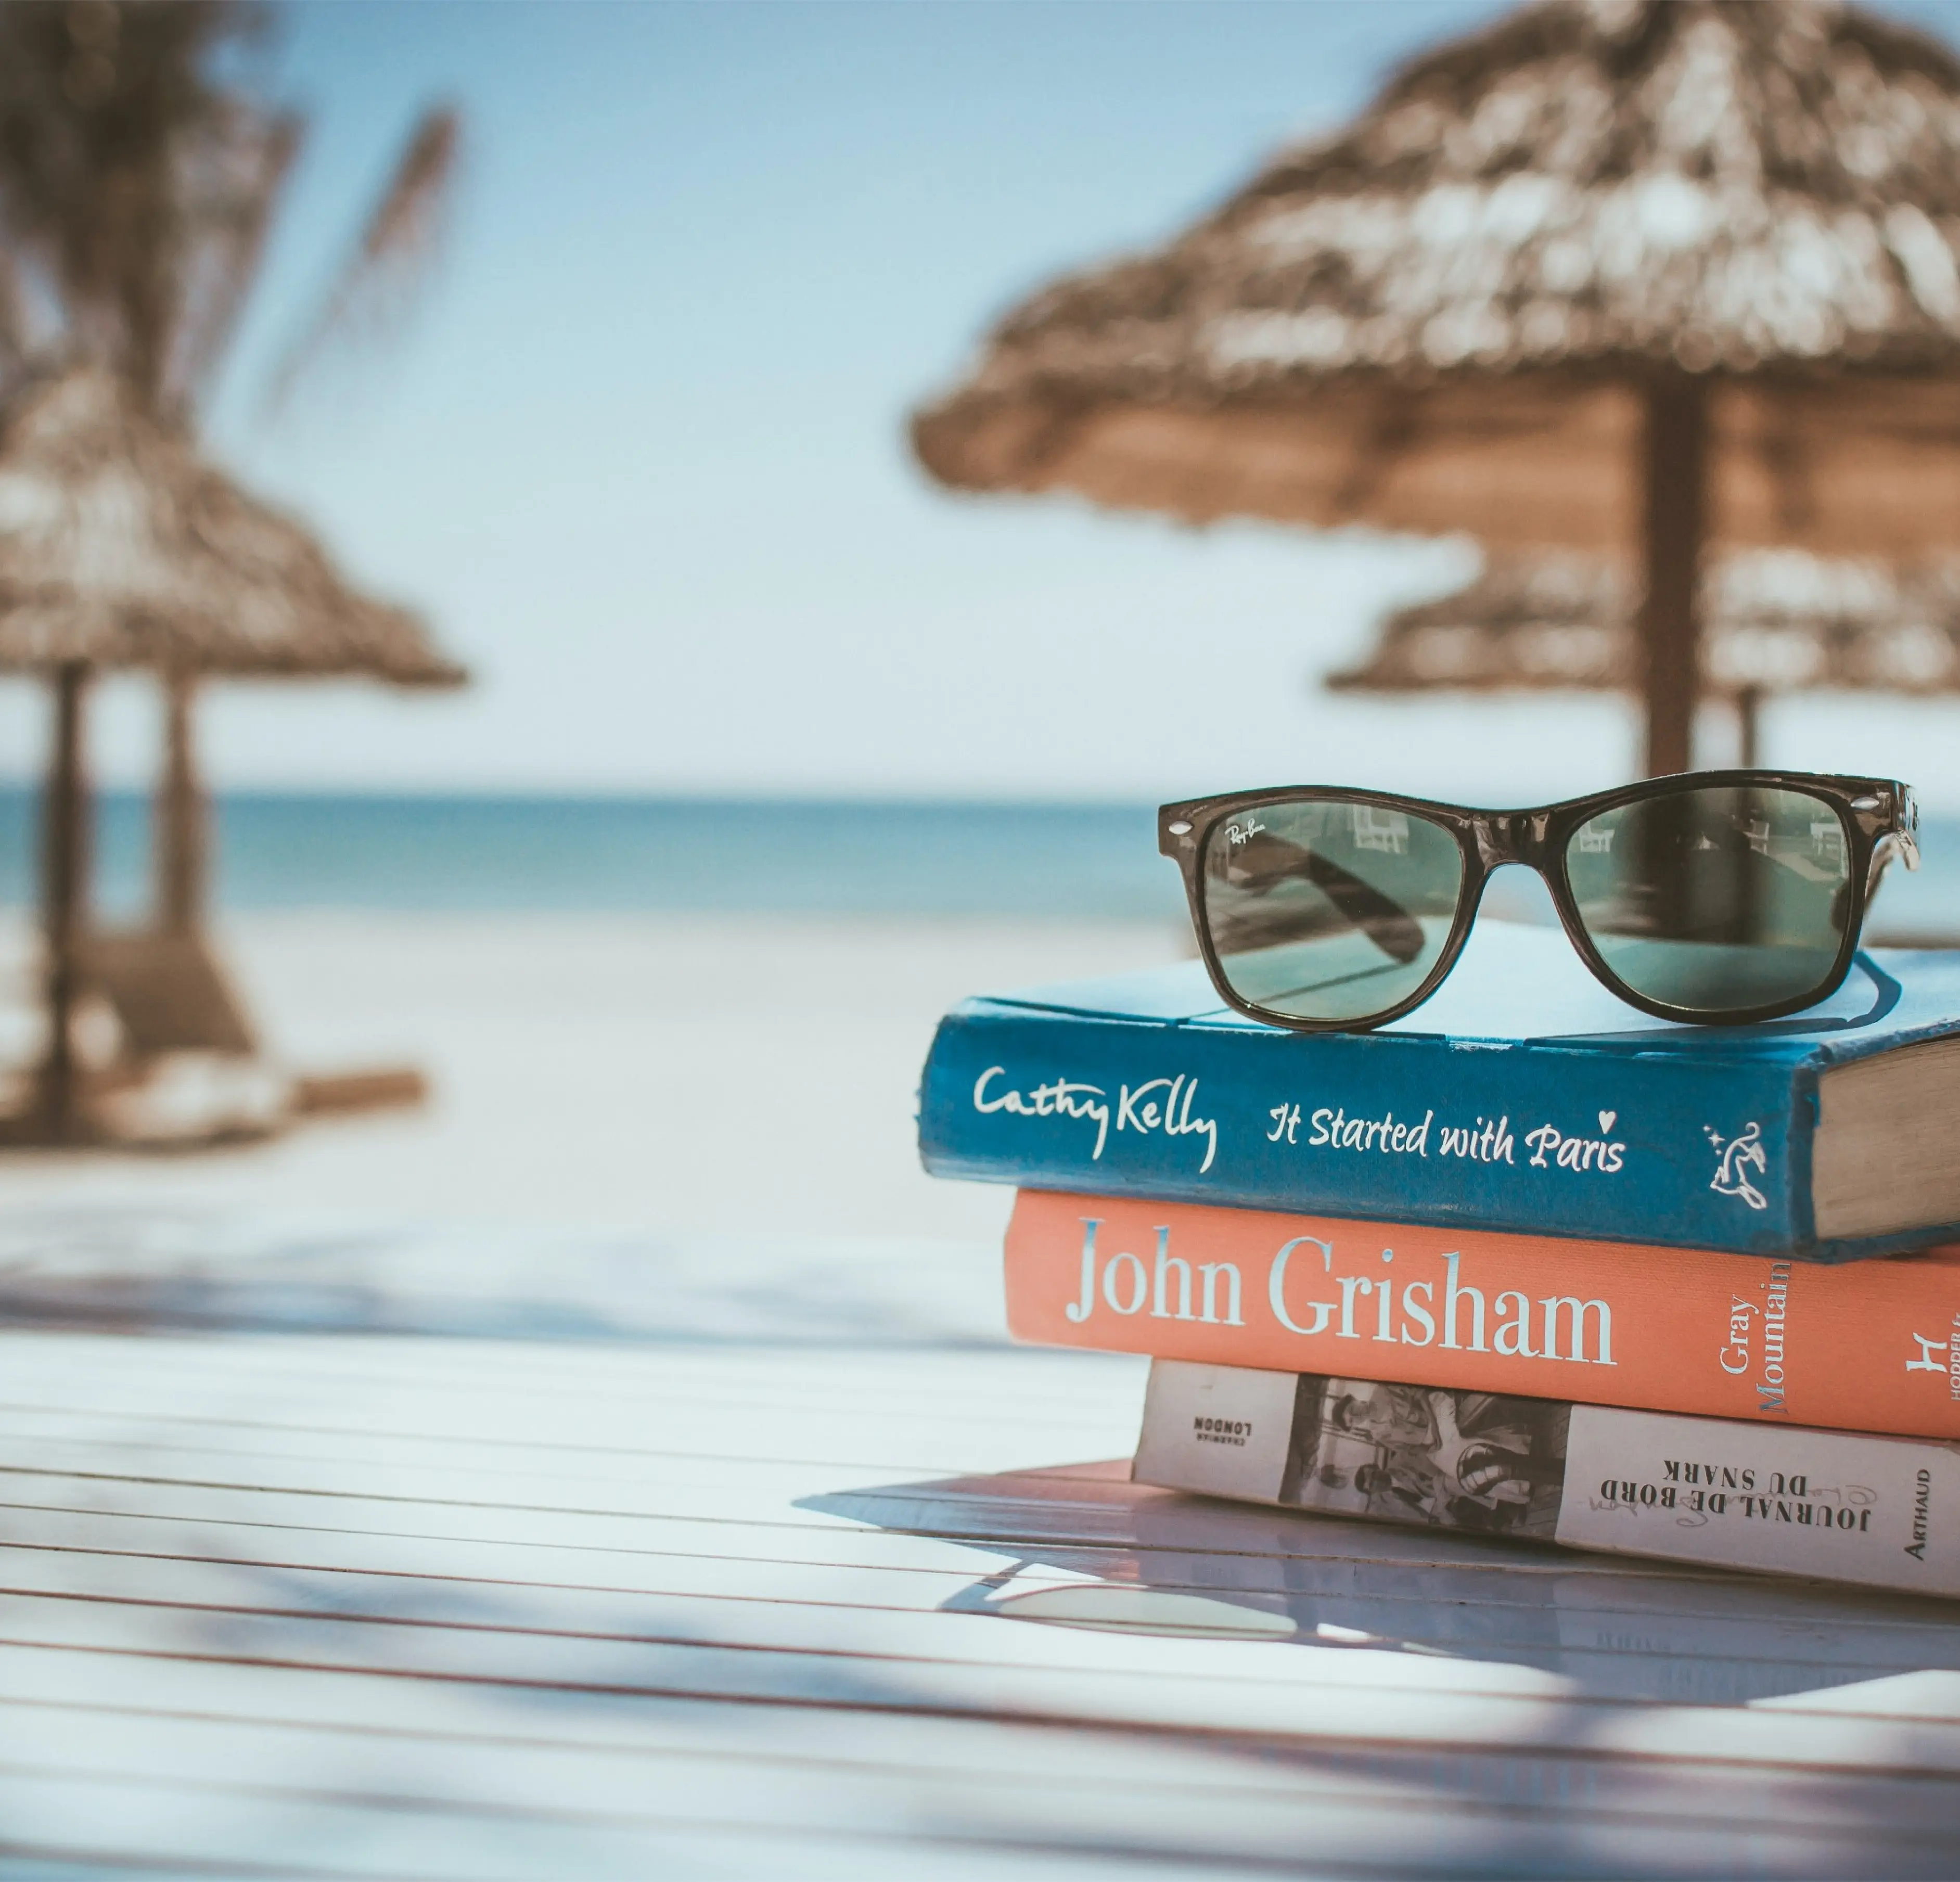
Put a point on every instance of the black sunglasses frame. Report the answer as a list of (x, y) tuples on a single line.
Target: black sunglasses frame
[(1878, 816)]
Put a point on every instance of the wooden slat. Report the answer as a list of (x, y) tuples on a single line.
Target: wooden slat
[(437, 1605)]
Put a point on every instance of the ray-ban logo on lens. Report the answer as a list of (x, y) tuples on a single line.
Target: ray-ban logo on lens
[(1238, 834)]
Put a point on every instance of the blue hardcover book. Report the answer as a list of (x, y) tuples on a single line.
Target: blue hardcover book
[(1522, 1097)]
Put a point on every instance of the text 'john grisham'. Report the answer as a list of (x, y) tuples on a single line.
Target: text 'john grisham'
[(1168, 1106)]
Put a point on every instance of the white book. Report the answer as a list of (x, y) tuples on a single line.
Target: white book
[(1875, 1511)]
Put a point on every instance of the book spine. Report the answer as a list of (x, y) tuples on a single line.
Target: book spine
[(1546, 1140), (1870, 1511), (1869, 1346)]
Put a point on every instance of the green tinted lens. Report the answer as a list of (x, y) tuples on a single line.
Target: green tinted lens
[(1320, 910), (1716, 899)]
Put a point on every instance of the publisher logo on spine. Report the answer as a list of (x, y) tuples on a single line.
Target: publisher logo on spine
[(1221, 1430), (1940, 1356), (1735, 1156)]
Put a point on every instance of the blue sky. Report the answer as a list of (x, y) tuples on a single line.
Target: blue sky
[(640, 453)]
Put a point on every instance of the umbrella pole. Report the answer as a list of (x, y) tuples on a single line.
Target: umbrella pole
[(180, 830), (1675, 520), (1748, 726), (64, 898)]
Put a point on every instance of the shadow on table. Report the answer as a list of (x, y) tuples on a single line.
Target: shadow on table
[(1616, 1628), (1624, 1644), (138, 1268)]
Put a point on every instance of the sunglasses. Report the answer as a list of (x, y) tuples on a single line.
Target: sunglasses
[(1716, 897)]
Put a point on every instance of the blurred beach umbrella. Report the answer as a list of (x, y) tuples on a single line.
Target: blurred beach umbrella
[(1633, 277), (1774, 621), (120, 549), (140, 174)]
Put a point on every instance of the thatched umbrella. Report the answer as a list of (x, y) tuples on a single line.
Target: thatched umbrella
[(1609, 274), (120, 549), (1774, 621)]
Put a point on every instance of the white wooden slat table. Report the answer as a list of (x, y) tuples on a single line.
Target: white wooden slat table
[(374, 1551)]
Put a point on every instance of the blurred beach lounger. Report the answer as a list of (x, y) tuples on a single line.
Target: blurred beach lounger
[(176, 1063)]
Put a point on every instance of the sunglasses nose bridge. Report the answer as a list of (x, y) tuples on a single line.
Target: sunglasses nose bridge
[(1506, 836)]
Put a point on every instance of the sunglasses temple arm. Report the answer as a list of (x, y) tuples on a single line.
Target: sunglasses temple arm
[(1898, 843)]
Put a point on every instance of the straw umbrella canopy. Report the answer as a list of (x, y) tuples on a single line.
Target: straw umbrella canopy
[(1775, 621), (120, 549), (1615, 275)]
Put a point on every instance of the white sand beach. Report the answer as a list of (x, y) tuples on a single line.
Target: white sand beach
[(713, 1074)]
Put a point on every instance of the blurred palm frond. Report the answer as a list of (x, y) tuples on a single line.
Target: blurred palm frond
[(392, 257), (237, 200), (142, 169), (105, 109)]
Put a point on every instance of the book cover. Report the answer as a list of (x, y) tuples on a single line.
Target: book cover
[(1523, 1096), (1875, 1512), (1869, 1346)]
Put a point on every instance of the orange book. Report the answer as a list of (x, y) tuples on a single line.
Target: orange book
[(1868, 1346)]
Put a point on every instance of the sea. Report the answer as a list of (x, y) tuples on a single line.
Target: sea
[(493, 854)]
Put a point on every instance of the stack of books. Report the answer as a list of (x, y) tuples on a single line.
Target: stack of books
[(1524, 1262)]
